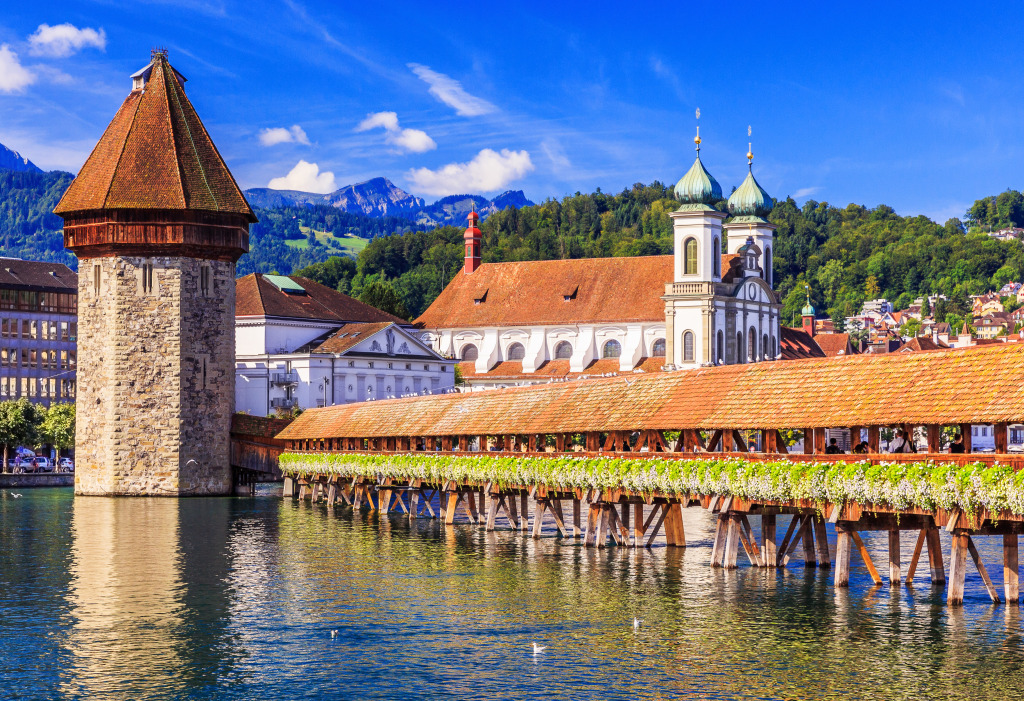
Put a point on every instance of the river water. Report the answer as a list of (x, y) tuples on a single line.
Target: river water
[(237, 598)]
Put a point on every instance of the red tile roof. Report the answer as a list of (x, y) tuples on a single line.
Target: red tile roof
[(797, 343), (533, 292), (833, 344), (981, 385), (155, 154), (921, 343), (256, 296)]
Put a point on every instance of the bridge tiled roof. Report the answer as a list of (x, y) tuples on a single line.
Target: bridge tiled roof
[(978, 385), (554, 369)]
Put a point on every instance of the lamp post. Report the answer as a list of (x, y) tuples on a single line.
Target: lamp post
[(324, 385)]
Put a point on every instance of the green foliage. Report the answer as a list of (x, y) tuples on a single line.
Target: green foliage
[(19, 424), (925, 485), (58, 426), (381, 294)]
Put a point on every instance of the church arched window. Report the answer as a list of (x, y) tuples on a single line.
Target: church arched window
[(739, 346), (768, 265), (752, 345), (720, 347), (688, 347), (612, 349), (469, 352), (658, 348), (716, 257), (776, 351), (690, 257), (765, 352), (563, 351), (516, 352)]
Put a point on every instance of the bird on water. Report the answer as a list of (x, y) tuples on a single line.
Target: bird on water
[(537, 649), (637, 622)]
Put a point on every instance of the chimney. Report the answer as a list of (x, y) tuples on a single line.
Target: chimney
[(472, 237)]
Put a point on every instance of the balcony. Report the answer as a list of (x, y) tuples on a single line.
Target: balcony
[(284, 378), (690, 288), (282, 403)]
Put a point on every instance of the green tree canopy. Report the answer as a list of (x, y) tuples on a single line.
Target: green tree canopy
[(58, 426)]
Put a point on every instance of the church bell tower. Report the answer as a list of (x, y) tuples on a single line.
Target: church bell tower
[(158, 223)]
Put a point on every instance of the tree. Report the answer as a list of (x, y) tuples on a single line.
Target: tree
[(871, 288), (941, 310), (58, 426), (926, 308), (381, 294), (19, 424)]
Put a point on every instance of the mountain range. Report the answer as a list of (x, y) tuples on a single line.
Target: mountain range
[(12, 160), (379, 197)]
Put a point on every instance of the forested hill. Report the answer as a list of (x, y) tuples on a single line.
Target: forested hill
[(28, 227), (846, 255)]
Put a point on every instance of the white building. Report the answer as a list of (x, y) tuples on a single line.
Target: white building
[(539, 321), (300, 344)]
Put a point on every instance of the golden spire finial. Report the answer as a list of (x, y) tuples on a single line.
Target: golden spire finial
[(696, 139), (750, 150)]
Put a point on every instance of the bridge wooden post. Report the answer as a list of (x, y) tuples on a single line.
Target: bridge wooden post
[(821, 537), (843, 548), (895, 577), (810, 557), (873, 439), (732, 541), (999, 429), (936, 568), (718, 548), (288, 490), (674, 535), (727, 446), (965, 431), (808, 441), (770, 553), (1011, 569), (957, 569), (934, 438)]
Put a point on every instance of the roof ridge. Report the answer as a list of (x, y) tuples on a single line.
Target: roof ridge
[(170, 130), (188, 131)]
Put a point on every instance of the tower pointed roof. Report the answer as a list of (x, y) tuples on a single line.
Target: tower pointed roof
[(155, 154), (698, 186)]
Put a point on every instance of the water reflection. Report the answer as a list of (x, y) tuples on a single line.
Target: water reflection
[(236, 598)]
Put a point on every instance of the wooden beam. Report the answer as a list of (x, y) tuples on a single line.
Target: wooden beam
[(866, 556), (576, 518), (999, 429), (821, 538), (992, 591), (934, 438), (874, 439), (783, 553), (965, 431), (810, 557), (714, 441), (638, 524), (657, 526), (732, 542), (718, 546), (921, 537), (749, 542), (780, 444), (808, 441), (738, 444), (727, 442)]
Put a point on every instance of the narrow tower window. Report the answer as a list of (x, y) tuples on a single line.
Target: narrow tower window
[(205, 275), (96, 280), (147, 278), (688, 347), (690, 257), (716, 257)]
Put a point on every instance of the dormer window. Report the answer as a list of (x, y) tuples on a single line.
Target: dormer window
[(481, 298), (569, 294)]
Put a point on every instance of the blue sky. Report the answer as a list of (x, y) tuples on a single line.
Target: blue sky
[(915, 106)]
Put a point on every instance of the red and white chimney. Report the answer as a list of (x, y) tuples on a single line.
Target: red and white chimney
[(472, 237)]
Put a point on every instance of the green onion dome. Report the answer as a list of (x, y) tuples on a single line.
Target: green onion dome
[(750, 199), (808, 310), (698, 186)]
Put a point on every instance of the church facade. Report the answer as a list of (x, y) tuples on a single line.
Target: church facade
[(710, 303)]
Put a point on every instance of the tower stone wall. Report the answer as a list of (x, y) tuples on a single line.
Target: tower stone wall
[(158, 376)]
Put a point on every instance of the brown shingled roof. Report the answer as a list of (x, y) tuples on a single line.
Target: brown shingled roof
[(256, 296), (554, 369), (349, 335), (977, 386), (532, 292), (155, 154), (16, 274)]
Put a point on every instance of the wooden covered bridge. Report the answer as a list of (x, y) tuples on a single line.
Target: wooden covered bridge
[(491, 453)]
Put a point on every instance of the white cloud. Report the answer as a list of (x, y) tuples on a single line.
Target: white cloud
[(450, 92), (556, 154), (279, 135), (487, 172), (14, 77), (305, 177), (805, 192), (412, 140), (63, 40)]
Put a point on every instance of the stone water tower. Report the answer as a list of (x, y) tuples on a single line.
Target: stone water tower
[(157, 222)]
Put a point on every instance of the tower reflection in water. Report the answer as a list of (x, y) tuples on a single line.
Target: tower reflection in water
[(149, 599)]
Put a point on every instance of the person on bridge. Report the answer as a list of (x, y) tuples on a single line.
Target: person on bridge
[(902, 444), (957, 446), (832, 448)]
